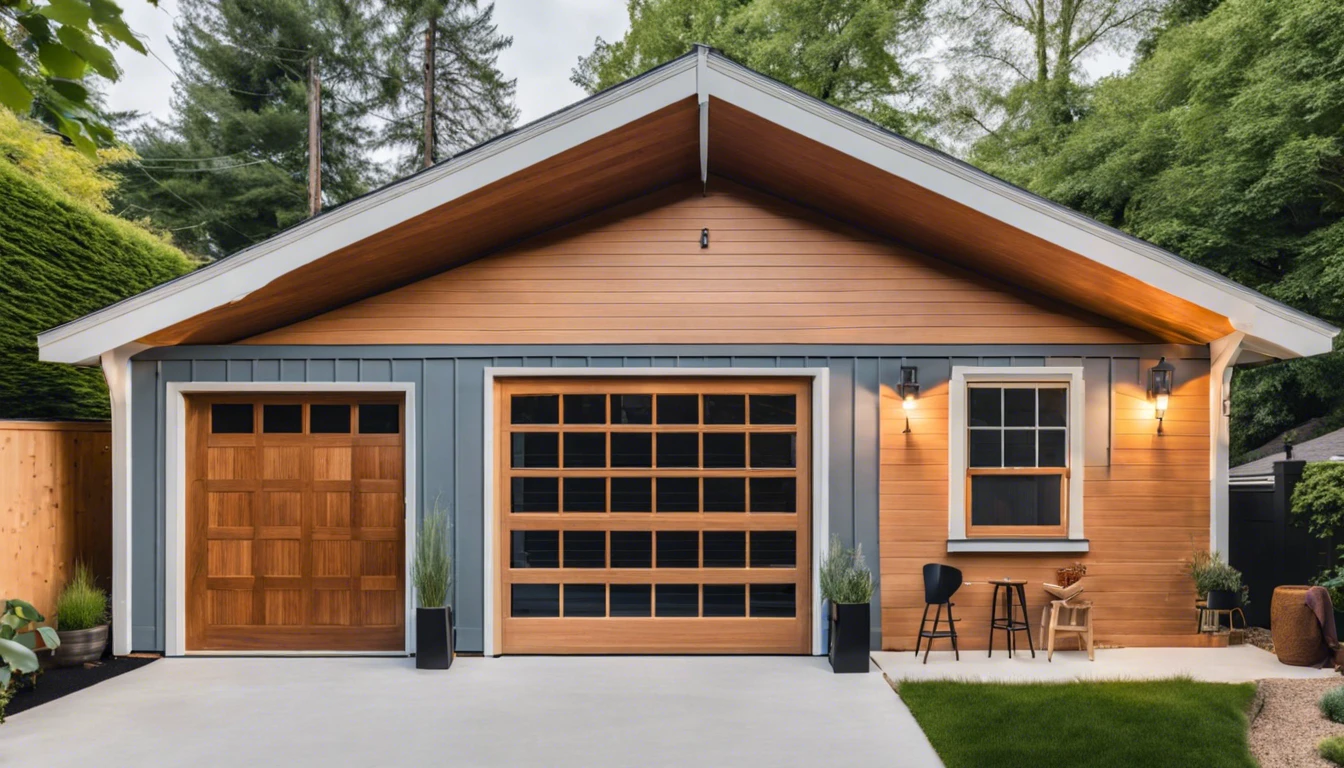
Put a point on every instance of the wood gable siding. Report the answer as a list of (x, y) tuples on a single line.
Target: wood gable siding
[(1143, 513), (772, 273)]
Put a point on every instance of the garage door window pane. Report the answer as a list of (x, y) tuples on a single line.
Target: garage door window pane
[(631, 494), (535, 600), (585, 494), (725, 494), (535, 449), (678, 450), (677, 600), (585, 409), (632, 409), (282, 419), (631, 449), (678, 549), (535, 494), (725, 450), (329, 419), (585, 549), (585, 600), (678, 409), (379, 419), (774, 494), (773, 600), (725, 599), (585, 450), (631, 549), (774, 409), (725, 549), (231, 418), (725, 409), (535, 549), (631, 600), (773, 450), (678, 494), (535, 409), (774, 549)]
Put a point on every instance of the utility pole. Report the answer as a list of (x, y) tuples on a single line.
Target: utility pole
[(314, 139), (431, 31)]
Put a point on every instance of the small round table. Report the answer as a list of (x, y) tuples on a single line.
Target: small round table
[(1009, 622)]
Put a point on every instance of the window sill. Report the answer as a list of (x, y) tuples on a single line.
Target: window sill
[(1016, 545)]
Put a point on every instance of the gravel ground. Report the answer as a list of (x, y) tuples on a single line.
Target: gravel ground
[(1289, 725), (1260, 638)]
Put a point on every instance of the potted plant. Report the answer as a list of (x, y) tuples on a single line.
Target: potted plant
[(432, 573), (848, 585), (81, 620), (1217, 583), (16, 646)]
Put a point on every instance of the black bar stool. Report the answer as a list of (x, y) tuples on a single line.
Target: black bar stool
[(1009, 622), (940, 583)]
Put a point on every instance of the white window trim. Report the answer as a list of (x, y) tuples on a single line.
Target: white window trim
[(175, 593), (958, 460), (821, 462)]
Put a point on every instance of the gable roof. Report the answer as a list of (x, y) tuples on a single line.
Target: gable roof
[(695, 115)]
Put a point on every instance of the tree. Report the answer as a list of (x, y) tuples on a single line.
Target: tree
[(1226, 146), (852, 53), (48, 52), (230, 167), (1016, 81), (443, 88), (1318, 498)]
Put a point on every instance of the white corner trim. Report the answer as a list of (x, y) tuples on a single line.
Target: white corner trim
[(116, 366), (957, 448), (1223, 354), (175, 496), (1002, 546), (821, 463)]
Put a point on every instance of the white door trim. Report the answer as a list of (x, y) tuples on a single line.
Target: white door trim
[(821, 464), (175, 439)]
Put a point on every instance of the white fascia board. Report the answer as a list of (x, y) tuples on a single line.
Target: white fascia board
[(1293, 332), (233, 278)]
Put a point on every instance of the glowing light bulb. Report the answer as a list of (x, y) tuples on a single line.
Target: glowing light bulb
[(909, 403), (1161, 403)]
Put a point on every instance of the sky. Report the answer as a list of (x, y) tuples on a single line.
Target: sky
[(548, 38)]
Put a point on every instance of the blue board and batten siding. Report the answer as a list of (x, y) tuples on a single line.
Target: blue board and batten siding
[(449, 382)]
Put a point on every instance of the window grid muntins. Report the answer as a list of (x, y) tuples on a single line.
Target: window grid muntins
[(1042, 417)]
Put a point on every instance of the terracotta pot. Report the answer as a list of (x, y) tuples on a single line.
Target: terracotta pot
[(79, 646)]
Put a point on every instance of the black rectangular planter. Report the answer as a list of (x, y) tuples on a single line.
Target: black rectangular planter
[(433, 638), (849, 637)]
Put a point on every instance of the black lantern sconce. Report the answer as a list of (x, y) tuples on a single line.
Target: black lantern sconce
[(909, 391), (1160, 379)]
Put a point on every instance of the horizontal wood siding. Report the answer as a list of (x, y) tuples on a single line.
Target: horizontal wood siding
[(773, 273), (1143, 514)]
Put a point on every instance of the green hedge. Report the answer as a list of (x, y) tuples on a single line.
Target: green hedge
[(60, 259)]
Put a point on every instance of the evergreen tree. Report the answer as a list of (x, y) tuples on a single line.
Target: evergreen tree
[(230, 167), (852, 53), (472, 101)]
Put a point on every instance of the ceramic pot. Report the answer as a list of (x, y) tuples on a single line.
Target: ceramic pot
[(79, 646)]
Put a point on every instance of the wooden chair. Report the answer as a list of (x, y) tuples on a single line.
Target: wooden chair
[(1070, 618)]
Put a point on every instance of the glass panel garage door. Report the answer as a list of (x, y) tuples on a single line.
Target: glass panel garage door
[(646, 515)]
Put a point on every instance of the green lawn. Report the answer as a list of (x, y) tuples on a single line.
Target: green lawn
[(1071, 725)]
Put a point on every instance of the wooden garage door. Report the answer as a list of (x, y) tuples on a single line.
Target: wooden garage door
[(295, 523), (645, 515)]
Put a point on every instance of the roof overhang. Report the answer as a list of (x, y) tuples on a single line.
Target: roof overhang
[(701, 113)]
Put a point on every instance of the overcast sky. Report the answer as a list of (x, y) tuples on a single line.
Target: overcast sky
[(548, 38)]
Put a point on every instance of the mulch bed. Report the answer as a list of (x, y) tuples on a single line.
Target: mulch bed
[(56, 682)]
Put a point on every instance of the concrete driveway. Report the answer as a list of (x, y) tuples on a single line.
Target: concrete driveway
[(520, 711)]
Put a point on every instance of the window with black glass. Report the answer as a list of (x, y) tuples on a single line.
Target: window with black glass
[(282, 419), (773, 601), (585, 450), (379, 418), (631, 549), (534, 409), (1017, 459), (329, 419), (585, 600), (631, 600), (535, 600), (231, 419), (725, 600), (678, 549), (532, 450), (535, 549), (677, 600), (585, 549), (585, 494), (678, 494), (631, 494), (535, 494)]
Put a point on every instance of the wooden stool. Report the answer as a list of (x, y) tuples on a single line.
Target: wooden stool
[(1076, 618)]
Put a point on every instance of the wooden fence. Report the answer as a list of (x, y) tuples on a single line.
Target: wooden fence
[(55, 506)]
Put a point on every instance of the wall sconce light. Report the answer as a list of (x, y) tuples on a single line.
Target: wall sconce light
[(909, 391), (1159, 389)]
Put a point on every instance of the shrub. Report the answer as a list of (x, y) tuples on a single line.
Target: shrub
[(1332, 749), (1318, 498), (1332, 704), (432, 571), (1209, 573), (845, 578), (82, 604)]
